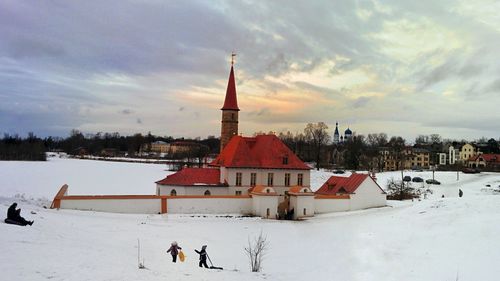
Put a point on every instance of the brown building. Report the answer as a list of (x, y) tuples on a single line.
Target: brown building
[(229, 126)]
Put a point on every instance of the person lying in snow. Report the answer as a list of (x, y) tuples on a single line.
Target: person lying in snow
[(174, 250), (14, 216), (203, 256)]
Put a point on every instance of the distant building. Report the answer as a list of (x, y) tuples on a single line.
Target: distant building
[(347, 134), (337, 138), (160, 147), (466, 152), (336, 135), (489, 161)]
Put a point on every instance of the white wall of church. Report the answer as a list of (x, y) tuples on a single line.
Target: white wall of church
[(209, 205), (368, 195), (265, 206), (131, 206), (303, 206), (262, 177), (191, 190), (329, 205)]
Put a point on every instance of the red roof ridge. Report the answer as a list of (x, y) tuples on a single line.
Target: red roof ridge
[(336, 184), (262, 151), (194, 177), (262, 190)]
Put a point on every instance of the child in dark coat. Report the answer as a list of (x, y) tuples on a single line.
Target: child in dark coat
[(174, 250), (203, 256), (14, 216)]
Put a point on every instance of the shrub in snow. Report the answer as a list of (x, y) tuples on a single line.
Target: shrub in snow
[(256, 251), (401, 190)]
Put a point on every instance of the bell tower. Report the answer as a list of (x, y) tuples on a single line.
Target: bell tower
[(229, 124)]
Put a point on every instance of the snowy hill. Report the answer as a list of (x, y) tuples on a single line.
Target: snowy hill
[(447, 238)]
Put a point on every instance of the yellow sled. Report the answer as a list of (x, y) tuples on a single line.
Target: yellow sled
[(182, 257)]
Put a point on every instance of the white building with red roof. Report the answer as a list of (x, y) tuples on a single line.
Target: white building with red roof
[(358, 191)]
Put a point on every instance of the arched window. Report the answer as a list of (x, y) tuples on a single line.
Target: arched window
[(173, 192), (268, 190), (207, 192), (268, 212), (305, 213)]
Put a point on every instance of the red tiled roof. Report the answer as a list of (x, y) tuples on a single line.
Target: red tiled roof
[(260, 189), (231, 102), (193, 177), (336, 185), (263, 151), (300, 190), (486, 157)]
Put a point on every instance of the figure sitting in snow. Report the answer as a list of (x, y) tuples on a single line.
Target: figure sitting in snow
[(203, 256), (174, 250), (14, 216)]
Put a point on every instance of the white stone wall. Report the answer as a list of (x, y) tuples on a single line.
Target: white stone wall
[(192, 190), (132, 206), (262, 203), (299, 204), (322, 206), (209, 205), (368, 195)]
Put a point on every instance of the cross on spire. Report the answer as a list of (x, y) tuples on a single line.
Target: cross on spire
[(232, 58)]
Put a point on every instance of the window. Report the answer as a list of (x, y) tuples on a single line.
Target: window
[(238, 192), (268, 212), (253, 179), (300, 179), (238, 179), (287, 179), (232, 116), (270, 177), (305, 212), (207, 192), (285, 160), (173, 192)]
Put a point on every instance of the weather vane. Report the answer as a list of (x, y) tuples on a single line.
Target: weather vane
[(232, 58)]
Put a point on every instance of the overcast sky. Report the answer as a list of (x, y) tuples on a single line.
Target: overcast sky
[(400, 67)]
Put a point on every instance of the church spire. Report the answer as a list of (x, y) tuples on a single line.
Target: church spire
[(229, 124), (231, 101)]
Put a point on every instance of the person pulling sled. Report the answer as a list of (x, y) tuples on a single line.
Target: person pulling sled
[(14, 216), (174, 250), (203, 258)]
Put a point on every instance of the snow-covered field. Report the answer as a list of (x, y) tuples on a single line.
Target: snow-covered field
[(438, 238)]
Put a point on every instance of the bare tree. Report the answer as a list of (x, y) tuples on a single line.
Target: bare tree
[(256, 251), (318, 135)]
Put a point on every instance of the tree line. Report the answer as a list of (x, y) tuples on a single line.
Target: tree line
[(33, 148), (315, 144), (30, 148)]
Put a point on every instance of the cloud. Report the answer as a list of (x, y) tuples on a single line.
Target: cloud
[(367, 62), (361, 102)]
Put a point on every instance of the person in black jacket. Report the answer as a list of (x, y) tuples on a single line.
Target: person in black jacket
[(14, 216), (203, 256)]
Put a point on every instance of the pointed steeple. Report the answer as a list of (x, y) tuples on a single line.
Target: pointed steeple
[(231, 102), (229, 124)]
